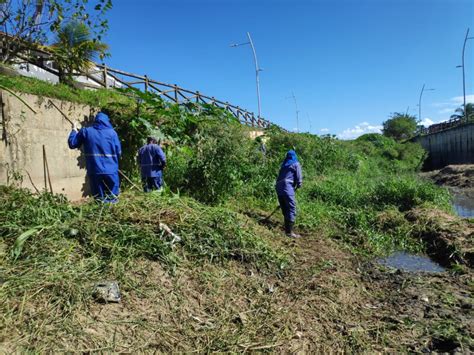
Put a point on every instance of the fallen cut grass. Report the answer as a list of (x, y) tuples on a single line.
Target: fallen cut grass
[(53, 252), (33, 226)]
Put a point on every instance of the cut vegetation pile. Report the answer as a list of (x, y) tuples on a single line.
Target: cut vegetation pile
[(199, 267)]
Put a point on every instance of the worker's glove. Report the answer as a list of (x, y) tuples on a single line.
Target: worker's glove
[(74, 126)]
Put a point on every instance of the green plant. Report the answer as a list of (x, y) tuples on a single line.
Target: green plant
[(28, 27), (74, 51), (400, 126)]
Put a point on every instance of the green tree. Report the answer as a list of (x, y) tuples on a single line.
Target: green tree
[(75, 51), (460, 112), (29, 24), (400, 126)]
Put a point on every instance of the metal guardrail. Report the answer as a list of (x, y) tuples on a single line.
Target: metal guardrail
[(106, 77)]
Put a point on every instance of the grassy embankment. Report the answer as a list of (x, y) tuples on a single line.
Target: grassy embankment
[(232, 283)]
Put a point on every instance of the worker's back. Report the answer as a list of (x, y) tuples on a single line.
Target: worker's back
[(290, 176), (152, 160), (101, 146)]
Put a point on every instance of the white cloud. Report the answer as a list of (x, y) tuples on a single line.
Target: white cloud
[(426, 122), (358, 130), (452, 104), (324, 129), (459, 99)]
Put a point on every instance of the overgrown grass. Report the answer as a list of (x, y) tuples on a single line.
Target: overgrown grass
[(131, 229), (96, 98), (214, 161), (53, 251)]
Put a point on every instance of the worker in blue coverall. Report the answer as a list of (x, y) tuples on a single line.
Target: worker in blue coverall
[(152, 161), (289, 179), (102, 150)]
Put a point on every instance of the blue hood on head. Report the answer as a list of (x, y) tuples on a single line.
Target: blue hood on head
[(102, 121), (290, 159)]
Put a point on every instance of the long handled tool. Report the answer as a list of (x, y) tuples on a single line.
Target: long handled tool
[(61, 112), (130, 181), (46, 171), (271, 214), (18, 97)]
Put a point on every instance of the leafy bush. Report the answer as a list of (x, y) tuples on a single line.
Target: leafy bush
[(408, 192)]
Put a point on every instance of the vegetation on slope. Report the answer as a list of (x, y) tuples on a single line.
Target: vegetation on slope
[(228, 261)]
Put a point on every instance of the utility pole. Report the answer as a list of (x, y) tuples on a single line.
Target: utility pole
[(257, 68), (297, 112), (309, 122), (464, 74), (419, 101)]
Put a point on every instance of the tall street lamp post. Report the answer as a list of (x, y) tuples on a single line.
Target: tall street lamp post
[(463, 73), (419, 101), (257, 68), (297, 112)]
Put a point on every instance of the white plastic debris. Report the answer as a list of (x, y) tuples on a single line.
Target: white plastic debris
[(107, 292), (167, 230)]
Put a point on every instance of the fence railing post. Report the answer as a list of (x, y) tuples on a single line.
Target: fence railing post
[(106, 84), (113, 77), (176, 93)]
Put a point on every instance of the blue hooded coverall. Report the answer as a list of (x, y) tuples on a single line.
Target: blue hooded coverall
[(102, 151), (289, 179), (152, 160)]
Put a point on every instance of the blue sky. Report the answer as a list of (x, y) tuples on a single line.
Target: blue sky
[(350, 63)]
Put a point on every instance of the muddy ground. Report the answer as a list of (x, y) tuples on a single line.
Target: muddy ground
[(328, 300), (460, 176)]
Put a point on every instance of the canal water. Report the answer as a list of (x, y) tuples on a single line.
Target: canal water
[(463, 202), (410, 263)]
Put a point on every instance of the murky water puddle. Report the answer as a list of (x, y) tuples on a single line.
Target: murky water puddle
[(410, 263), (463, 203)]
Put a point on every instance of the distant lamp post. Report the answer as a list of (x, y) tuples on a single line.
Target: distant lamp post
[(309, 122), (297, 112), (257, 68), (463, 73), (419, 101)]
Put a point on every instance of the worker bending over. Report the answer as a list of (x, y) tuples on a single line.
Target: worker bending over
[(289, 179), (102, 151), (152, 161)]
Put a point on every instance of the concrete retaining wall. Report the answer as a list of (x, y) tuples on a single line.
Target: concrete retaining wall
[(23, 135), (453, 146)]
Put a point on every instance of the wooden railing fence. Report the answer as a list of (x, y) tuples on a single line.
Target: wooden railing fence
[(438, 127), (106, 77)]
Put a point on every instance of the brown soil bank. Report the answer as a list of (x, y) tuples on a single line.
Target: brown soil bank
[(448, 238), (453, 175)]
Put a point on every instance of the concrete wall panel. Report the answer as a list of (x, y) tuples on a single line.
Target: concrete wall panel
[(23, 135), (453, 146)]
